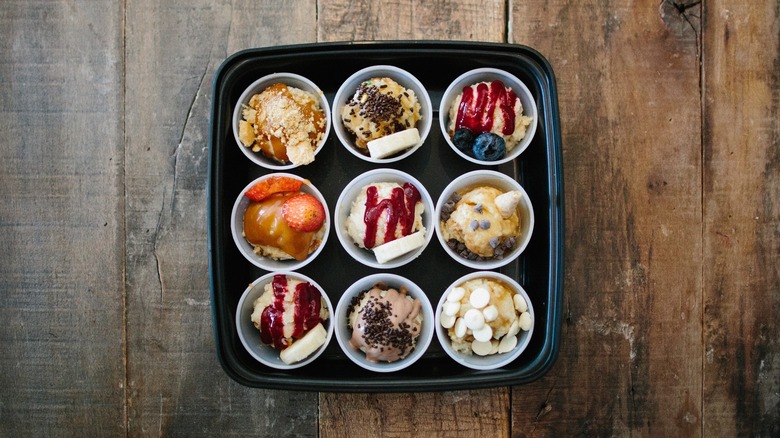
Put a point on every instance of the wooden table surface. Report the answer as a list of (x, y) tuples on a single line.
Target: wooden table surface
[(671, 157)]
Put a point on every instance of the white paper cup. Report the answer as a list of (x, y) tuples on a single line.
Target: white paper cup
[(405, 79), (502, 182), (344, 333), (291, 80), (250, 335), (492, 361), (344, 205), (488, 75), (246, 249)]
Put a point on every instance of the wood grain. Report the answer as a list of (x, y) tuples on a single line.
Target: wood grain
[(631, 358), (176, 386), (742, 218), (61, 222), (478, 413)]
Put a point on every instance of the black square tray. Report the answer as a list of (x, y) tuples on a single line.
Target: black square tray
[(539, 269)]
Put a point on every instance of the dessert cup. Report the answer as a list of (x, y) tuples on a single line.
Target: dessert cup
[(250, 335), (344, 332), (291, 80)]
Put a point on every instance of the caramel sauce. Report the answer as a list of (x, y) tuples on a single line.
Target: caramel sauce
[(264, 225), (272, 147)]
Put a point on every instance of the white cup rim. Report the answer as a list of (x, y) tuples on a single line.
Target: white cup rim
[(276, 362), (497, 360), (245, 248), (510, 184), (343, 334), (344, 203), (530, 108), (290, 79), (405, 79)]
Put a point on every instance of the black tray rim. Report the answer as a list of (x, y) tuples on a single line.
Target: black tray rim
[(386, 383)]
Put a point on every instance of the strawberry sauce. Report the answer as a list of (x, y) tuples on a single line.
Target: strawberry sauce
[(307, 302), (399, 207), (476, 109)]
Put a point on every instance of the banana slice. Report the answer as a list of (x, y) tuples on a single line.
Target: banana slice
[(390, 144), (303, 347), (398, 247)]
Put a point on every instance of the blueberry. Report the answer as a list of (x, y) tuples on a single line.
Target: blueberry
[(489, 147), (463, 139)]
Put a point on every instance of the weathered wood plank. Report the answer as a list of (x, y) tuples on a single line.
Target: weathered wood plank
[(61, 219), (742, 218), (631, 358), (479, 413), (482, 413), (175, 382), (368, 20)]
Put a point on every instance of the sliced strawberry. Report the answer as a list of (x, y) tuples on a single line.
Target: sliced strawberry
[(274, 184), (303, 212)]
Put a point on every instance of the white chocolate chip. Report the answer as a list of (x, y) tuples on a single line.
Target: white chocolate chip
[(525, 321), (474, 319), (460, 328), (456, 294), (514, 328), (508, 343), (484, 334), (490, 312), (493, 346), (481, 348), (450, 309), (479, 298), (447, 321), (520, 304)]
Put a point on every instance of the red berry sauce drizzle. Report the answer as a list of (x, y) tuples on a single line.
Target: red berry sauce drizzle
[(476, 111), (306, 315), (400, 208)]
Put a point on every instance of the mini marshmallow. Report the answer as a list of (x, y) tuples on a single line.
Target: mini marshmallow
[(479, 298), (508, 343), (456, 294), (484, 334), (474, 319), (520, 304), (490, 312)]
